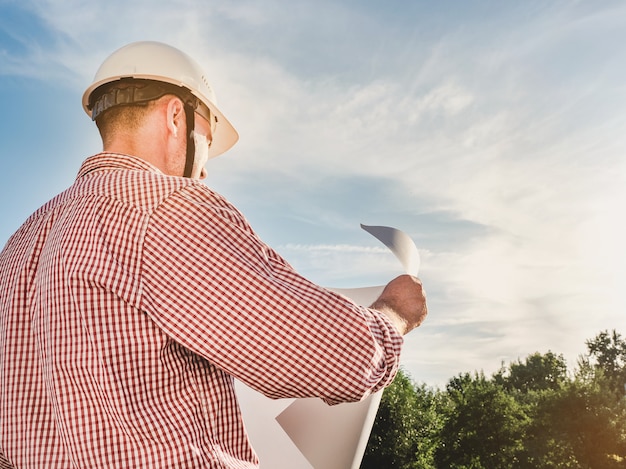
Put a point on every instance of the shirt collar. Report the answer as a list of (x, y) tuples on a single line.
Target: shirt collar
[(106, 161)]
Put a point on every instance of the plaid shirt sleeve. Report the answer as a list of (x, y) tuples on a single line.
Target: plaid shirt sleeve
[(212, 285)]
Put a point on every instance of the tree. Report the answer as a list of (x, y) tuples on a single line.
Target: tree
[(531, 414), (534, 383), (590, 422), (608, 351), (537, 373), (406, 429), (484, 428)]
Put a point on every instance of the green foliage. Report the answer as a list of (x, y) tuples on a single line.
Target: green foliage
[(608, 351), (530, 414), (537, 373), (588, 420), (484, 427), (406, 427)]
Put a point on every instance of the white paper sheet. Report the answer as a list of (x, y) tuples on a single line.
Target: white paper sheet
[(307, 433)]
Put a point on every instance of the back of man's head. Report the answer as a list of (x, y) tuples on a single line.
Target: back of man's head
[(122, 118), (170, 68)]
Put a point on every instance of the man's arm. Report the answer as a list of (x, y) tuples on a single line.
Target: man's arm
[(213, 286)]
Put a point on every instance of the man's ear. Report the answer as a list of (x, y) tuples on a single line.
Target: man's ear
[(176, 117)]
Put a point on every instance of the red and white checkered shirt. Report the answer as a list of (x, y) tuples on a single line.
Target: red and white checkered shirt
[(128, 304)]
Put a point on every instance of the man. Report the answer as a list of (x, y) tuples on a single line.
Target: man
[(130, 302)]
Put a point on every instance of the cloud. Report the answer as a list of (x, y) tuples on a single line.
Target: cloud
[(334, 248), (497, 143), (327, 264)]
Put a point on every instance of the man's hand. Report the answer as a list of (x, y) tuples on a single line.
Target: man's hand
[(403, 300)]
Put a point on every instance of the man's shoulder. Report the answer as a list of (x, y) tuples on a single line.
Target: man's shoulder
[(144, 188), (126, 179)]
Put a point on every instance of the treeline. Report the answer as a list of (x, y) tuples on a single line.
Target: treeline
[(530, 414)]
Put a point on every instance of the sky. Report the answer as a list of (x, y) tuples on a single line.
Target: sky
[(490, 132)]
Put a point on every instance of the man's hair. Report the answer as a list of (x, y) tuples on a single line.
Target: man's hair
[(121, 118), (136, 98)]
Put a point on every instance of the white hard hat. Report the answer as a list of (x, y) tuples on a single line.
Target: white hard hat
[(155, 61)]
